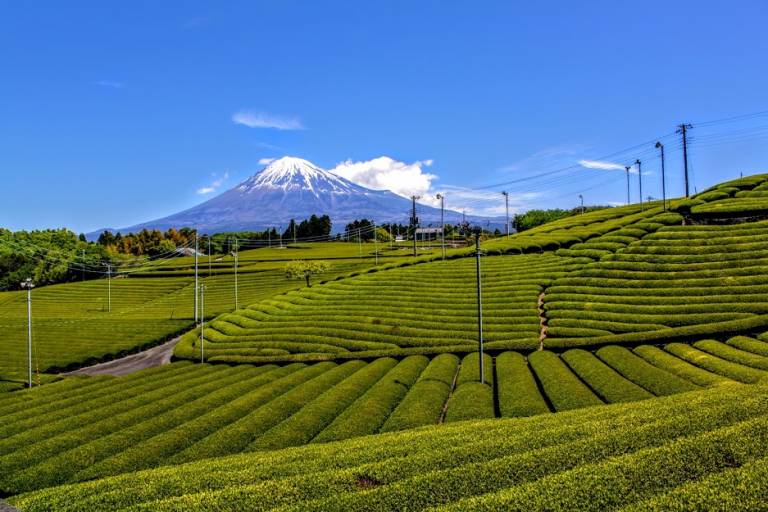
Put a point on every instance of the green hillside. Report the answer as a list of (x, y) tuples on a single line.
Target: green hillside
[(618, 276), (699, 450), (625, 368), (73, 327), (84, 428)]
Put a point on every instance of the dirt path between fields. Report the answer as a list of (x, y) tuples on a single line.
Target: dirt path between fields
[(441, 419), (542, 322), (154, 356), (4, 507)]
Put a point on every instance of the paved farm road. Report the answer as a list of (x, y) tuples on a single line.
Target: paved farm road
[(154, 356)]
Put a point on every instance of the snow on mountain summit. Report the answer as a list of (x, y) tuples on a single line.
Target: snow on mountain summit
[(290, 174), (293, 188)]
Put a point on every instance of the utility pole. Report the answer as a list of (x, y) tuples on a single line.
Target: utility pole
[(640, 178), (628, 168), (360, 241), (391, 240), (280, 231), (663, 179), (414, 221), (581, 197), (234, 254), (269, 238), (202, 323), (683, 129), (196, 278), (441, 197), (83, 264), (478, 230), (506, 207), (375, 244), (209, 256), (109, 287), (28, 285), (294, 231)]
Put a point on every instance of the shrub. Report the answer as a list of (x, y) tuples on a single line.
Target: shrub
[(609, 385), (517, 390), (714, 364), (732, 354), (369, 412), (564, 390), (657, 381), (424, 403), (682, 369), (316, 415)]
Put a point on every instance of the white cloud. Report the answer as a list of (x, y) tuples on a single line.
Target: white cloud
[(603, 166), (406, 179), (266, 161), (111, 84), (385, 173), (253, 119), (215, 184)]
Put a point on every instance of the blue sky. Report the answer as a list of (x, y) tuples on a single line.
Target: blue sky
[(112, 114)]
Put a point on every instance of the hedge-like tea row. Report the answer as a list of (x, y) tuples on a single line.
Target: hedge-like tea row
[(654, 379), (715, 364), (425, 401), (472, 398), (679, 367), (317, 414), (732, 354), (517, 390), (605, 381), (564, 389), (369, 412)]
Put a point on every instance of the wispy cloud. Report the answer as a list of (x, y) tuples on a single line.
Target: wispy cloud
[(266, 161), (253, 119), (215, 184), (547, 158), (484, 202), (602, 165), (111, 84)]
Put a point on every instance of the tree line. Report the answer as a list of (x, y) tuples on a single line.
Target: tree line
[(49, 256)]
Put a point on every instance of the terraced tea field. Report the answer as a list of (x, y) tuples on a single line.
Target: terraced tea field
[(424, 308), (83, 428), (678, 282), (700, 449), (73, 327)]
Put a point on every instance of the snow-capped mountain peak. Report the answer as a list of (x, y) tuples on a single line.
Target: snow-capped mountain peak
[(290, 174), (293, 188)]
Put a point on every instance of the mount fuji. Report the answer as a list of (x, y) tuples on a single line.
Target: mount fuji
[(293, 188)]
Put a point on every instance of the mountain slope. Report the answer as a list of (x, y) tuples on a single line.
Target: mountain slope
[(293, 188)]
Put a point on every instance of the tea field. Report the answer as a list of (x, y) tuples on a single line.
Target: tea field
[(624, 367)]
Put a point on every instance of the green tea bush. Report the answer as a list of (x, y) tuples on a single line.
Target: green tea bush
[(564, 390), (424, 403), (606, 382), (517, 390)]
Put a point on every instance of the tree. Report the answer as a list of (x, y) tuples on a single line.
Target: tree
[(302, 269)]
